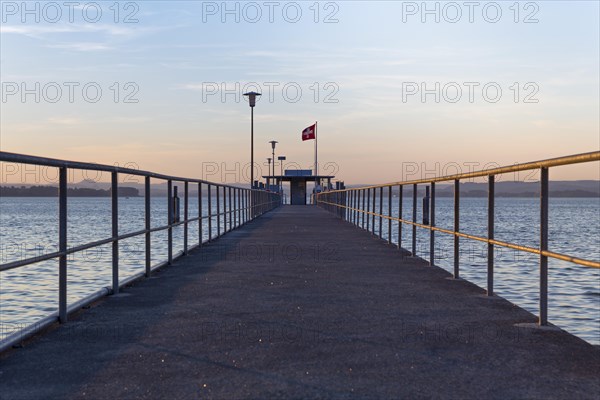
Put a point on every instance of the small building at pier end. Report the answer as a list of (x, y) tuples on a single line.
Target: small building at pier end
[(298, 179)]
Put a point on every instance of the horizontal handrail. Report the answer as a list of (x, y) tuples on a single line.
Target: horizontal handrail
[(551, 162), (228, 207), (52, 162), (558, 256), (358, 206)]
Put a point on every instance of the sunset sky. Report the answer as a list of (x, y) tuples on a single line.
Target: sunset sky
[(367, 62)]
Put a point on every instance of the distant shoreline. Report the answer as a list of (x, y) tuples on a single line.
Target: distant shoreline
[(558, 189), (52, 191)]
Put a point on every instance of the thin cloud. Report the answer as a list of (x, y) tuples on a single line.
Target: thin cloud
[(64, 121), (40, 31), (84, 46)]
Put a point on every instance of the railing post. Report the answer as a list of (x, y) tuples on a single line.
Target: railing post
[(62, 245), (218, 211), (490, 247), (414, 218), (349, 207), (224, 210), (170, 219), (148, 219), (246, 206), (185, 216), (231, 213), (400, 194), (200, 217), (543, 320), (373, 211), (355, 206), (432, 224), (348, 201), (344, 201), (348, 211), (237, 205), (115, 231), (345, 204), (209, 198), (389, 214), (456, 228), (368, 217), (238, 208), (363, 208), (380, 212)]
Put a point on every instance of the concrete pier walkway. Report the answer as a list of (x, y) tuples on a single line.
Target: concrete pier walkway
[(299, 304)]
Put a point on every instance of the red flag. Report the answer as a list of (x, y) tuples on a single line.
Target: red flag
[(308, 133)]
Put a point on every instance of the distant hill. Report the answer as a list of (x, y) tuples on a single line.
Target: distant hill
[(90, 188), (584, 188)]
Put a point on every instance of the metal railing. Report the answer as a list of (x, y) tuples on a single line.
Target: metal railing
[(358, 206), (235, 206)]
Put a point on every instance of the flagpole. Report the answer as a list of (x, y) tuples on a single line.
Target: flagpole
[(316, 159)]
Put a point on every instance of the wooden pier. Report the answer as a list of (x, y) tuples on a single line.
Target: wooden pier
[(300, 304)]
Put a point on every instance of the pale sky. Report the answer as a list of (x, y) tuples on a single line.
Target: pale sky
[(368, 62)]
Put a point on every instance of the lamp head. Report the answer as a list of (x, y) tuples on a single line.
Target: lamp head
[(252, 98), (273, 143)]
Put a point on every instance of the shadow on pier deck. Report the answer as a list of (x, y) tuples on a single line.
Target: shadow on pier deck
[(299, 304)]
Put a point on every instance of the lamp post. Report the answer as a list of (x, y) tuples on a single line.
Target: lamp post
[(273, 143), (281, 160), (252, 102), (268, 180)]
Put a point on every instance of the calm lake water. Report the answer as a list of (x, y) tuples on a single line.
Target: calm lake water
[(29, 227)]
